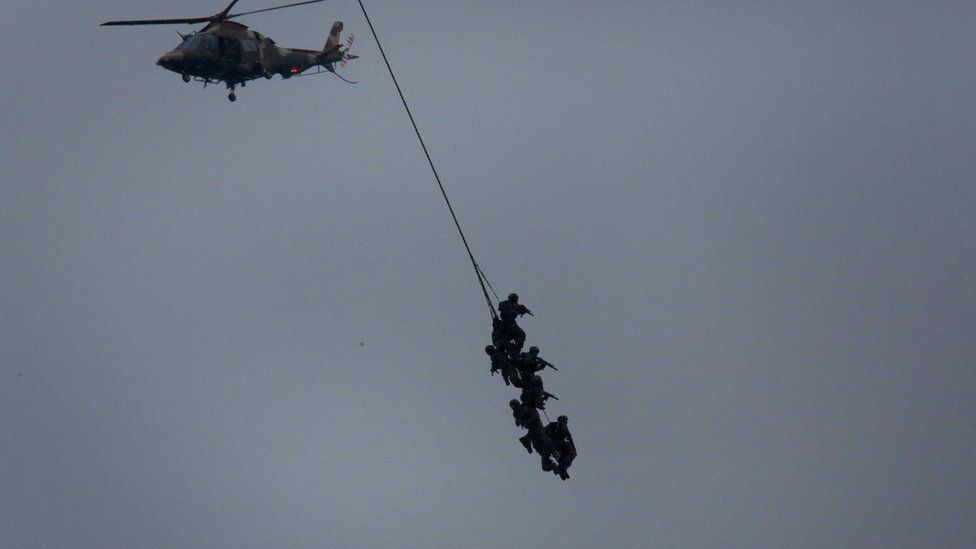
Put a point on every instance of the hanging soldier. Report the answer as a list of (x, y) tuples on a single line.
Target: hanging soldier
[(530, 362), (563, 447), (507, 328), (528, 418), (502, 340), (500, 362), (533, 393)]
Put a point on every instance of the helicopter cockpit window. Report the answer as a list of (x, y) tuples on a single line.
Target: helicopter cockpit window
[(199, 42), (229, 48)]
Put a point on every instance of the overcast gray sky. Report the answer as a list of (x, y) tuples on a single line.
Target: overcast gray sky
[(746, 230)]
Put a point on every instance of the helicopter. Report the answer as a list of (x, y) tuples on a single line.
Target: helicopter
[(227, 51)]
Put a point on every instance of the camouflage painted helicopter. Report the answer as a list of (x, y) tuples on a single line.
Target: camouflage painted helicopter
[(230, 52)]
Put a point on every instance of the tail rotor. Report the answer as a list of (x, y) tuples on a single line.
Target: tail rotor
[(346, 56)]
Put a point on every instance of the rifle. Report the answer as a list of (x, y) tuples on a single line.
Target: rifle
[(547, 395), (544, 364)]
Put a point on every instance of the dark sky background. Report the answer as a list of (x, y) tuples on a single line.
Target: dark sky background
[(746, 230)]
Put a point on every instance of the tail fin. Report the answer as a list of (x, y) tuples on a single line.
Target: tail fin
[(332, 41)]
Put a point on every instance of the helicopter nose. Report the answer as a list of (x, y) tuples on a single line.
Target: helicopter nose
[(171, 60)]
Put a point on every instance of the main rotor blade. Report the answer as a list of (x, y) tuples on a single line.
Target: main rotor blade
[(233, 15), (157, 22), (223, 13)]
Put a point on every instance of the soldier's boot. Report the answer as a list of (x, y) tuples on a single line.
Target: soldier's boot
[(561, 471), (525, 442)]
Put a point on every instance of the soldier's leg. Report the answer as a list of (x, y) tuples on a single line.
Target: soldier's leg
[(543, 445), (545, 454), (511, 374), (566, 457), (510, 349), (570, 454), (497, 331), (526, 441), (518, 336)]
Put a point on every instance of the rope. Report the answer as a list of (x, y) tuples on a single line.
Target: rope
[(485, 278), (477, 270)]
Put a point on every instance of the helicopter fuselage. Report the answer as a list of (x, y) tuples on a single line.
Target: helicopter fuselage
[(232, 53), (229, 52)]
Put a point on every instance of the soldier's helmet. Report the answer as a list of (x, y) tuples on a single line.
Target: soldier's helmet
[(533, 350), (513, 297), (562, 419), (513, 404), (490, 349)]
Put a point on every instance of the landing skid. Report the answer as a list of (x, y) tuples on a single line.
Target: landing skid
[(231, 96), (320, 71)]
